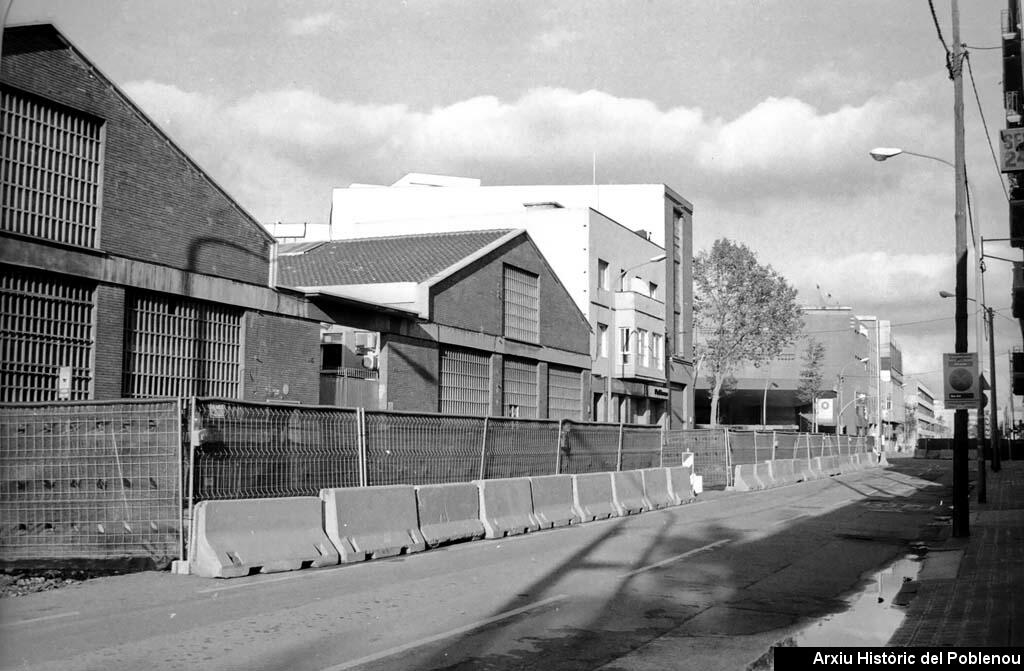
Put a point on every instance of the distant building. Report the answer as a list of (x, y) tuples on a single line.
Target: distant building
[(465, 323), (125, 271), (926, 422), (606, 243), (766, 395)]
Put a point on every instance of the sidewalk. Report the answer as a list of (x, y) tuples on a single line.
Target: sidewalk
[(970, 590)]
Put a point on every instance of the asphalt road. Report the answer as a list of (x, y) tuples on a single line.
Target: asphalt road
[(708, 585)]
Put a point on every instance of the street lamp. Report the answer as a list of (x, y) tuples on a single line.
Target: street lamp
[(884, 153), (653, 259), (955, 64), (839, 389), (764, 402)]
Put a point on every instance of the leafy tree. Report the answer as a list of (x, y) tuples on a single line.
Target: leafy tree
[(744, 313), (811, 376)]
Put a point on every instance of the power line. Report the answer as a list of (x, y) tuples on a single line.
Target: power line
[(984, 124), (942, 40)]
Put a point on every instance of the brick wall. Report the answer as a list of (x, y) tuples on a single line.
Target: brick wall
[(157, 206), (409, 368), (282, 359), (108, 352), (472, 299)]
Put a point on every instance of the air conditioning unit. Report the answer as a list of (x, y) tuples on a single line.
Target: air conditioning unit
[(370, 362)]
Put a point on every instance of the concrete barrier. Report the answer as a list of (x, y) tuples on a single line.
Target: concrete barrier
[(449, 512), (783, 472), (882, 461), (680, 483), (238, 537), (506, 507), (367, 522), (656, 488), (745, 478), (628, 492), (593, 498), (804, 470), (552, 501), (830, 466)]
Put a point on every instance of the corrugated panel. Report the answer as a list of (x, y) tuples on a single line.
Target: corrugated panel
[(45, 323), (465, 382), (521, 305), (181, 347), (519, 391), (564, 395), (52, 162)]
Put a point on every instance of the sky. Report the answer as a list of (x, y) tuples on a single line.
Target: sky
[(759, 112)]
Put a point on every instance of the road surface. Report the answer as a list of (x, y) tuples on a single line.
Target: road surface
[(708, 585)]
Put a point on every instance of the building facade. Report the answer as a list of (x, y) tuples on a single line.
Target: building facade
[(466, 323), (125, 271), (606, 243)]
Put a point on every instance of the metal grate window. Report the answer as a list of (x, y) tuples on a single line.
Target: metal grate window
[(465, 386), (564, 395), (519, 391), (52, 167), (45, 324), (521, 305), (181, 347)]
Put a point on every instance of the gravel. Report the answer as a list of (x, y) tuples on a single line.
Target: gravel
[(12, 586)]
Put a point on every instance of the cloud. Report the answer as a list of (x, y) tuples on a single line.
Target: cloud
[(312, 24), (556, 39)]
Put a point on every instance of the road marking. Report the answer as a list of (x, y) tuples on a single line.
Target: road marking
[(448, 634), (790, 519), (41, 619), (704, 548)]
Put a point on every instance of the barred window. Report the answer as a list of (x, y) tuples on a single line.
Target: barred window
[(181, 347), (465, 382), (521, 305), (46, 323), (564, 393), (519, 391), (52, 167)]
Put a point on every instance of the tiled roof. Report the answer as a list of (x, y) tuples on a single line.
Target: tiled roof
[(402, 258)]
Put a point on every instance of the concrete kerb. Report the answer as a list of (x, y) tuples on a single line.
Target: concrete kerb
[(367, 522), (449, 512), (237, 537), (628, 492), (656, 487), (592, 496), (553, 501), (506, 507)]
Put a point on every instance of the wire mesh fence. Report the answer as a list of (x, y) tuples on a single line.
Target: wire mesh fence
[(91, 481), (712, 459)]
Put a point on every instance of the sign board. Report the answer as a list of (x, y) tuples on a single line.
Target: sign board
[(1011, 155), (64, 383), (960, 389), (824, 411)]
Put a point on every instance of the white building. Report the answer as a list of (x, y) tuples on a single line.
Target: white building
[(607, 244)]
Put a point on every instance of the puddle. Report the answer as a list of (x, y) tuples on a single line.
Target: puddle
[(871, 619)]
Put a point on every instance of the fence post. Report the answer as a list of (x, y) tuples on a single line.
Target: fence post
[(181, 486), (661, 447), (775, 442), (728, 459), (618, 460), (361, 440), (193, 438), (483, 447), (558, 447)]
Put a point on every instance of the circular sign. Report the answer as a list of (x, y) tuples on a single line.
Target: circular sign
[(825, 404), (961, 379)]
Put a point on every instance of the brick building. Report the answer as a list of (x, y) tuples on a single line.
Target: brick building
[(125, 270), (462, 323)]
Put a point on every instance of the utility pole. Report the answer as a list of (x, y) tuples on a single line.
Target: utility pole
[(961, 503), (994, 439)]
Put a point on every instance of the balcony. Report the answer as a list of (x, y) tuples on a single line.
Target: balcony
[(633, 301)]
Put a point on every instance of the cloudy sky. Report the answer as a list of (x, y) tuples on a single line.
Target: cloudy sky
[(760, 112)]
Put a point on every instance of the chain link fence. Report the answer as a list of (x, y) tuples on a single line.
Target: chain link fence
[(91, 483)]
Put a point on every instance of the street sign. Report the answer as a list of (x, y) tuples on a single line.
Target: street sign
[(960, 381), (824, 411), (1012, 153)]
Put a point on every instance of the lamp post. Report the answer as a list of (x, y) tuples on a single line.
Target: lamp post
[(839, 390), (667, 361), (764, 401), (961, 503)]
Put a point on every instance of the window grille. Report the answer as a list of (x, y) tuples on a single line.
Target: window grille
[(181, 347), (564, 396), (465, 384), (45, 323), (52, 165), (519, 391), (521, 305)]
